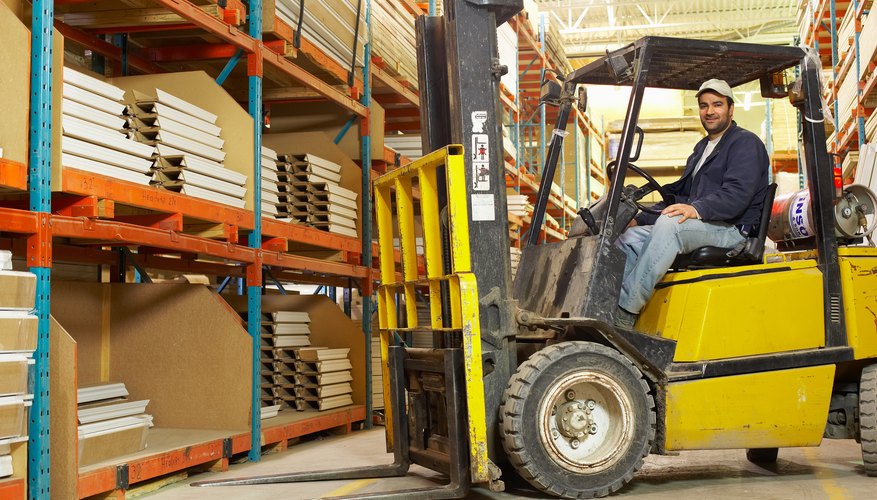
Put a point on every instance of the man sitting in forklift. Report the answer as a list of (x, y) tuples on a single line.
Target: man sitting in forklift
[(717, 201)]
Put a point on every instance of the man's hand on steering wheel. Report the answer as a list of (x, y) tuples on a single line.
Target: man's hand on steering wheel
[(642, 191)]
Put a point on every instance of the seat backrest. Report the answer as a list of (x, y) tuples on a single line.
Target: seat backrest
[(755, 247)]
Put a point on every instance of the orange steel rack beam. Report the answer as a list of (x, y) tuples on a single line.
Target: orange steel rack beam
[(13, 175), (106, 479), (250, 45)]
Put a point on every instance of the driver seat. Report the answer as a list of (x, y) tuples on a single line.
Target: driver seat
[(752, 252)]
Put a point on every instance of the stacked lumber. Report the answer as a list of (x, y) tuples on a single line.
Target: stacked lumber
[(93, 123), (329, 25), (18, 340), (317, 198), (871, 127), (407, 145), (393, 39), (109, 424), (866, 166), (515, 254), (322, 378), (188, 146), (274, 185), (518, 204), (377, 373)]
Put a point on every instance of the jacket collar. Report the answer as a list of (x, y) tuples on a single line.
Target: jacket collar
[(698, 149)]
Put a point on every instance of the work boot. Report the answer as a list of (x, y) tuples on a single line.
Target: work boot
[(625, 319)]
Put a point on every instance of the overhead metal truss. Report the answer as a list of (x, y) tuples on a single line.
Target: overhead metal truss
[(590, 27)]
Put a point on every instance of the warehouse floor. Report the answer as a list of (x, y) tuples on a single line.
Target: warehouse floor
[(832, 471)]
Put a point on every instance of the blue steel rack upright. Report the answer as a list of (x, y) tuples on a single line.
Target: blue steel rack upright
[(254, 274), (39, 177)]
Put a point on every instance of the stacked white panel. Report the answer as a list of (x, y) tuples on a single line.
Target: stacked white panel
[(189, 148), (93, 131)]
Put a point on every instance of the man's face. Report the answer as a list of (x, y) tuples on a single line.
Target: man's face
[(715, 113)]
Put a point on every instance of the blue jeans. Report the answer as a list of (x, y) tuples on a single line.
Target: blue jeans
[(651, 251)]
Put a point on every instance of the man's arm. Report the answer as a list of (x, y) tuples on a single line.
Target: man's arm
[(747, 163)]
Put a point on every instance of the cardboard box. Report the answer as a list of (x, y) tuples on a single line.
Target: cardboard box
[(18, 331), (101, 447), (17, 290), (14, 374)]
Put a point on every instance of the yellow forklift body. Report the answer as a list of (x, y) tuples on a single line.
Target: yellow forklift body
[(400, 185), (782, 408), (858, 273), (738, 311)]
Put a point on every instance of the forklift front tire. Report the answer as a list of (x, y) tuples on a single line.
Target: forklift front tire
[(868, 418), (577, 420)]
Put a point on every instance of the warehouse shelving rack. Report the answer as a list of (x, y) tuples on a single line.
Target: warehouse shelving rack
[(820, 30), (76, 213), (530, 122)]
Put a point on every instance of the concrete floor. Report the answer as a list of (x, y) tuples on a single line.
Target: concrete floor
[(832, 471)]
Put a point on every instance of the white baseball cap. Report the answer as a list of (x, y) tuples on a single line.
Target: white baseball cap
[(717, 86)]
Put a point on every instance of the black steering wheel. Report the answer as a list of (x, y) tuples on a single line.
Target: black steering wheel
[(641, 192)]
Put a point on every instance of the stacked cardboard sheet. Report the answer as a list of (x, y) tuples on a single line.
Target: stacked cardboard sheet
[(408, 145), (275, 201), (18, 340), (282, 333), (323, 378), (515, 254), (518, 204), (329, 25), (93, 123), (188, 145), (394, 40), (317, 198), (109, 424), (377, 374)]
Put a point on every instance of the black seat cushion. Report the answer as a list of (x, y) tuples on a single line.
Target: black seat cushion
[(705, 257)]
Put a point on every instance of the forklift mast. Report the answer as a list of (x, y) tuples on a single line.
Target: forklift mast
[(459, 71)]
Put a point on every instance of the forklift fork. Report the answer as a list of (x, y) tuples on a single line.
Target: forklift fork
[(438, 372)]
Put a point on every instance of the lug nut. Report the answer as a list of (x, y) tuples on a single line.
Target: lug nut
[(593, 429), (574, 443), (591, 404), (570, 394), (555, 434)]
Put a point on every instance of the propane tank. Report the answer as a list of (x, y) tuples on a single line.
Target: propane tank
[(791, 217)]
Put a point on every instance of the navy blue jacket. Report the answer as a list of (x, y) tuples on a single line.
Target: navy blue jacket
[(730, 185)]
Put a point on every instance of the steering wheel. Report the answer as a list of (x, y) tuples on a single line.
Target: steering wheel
[(650, 182)]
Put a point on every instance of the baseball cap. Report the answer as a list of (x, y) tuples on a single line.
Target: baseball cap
[(718, 86)]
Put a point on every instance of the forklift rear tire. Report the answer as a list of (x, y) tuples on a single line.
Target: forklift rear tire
[(762, 455), (577, 420), (868, 418)]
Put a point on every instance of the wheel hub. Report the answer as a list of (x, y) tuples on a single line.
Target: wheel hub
[(574, 419)]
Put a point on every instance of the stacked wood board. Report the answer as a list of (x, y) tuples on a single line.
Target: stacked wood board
[(515, 254), (322, 378), (93, 125), (274, 187), (329, 25), (408, 145), (377, 374), (317, 198), (282, 333), (393, 39), (518, 204), (109, 424), (188, 146), (18, 340), (871, 127)]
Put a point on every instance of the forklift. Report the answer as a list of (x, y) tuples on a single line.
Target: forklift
[(529, 377)]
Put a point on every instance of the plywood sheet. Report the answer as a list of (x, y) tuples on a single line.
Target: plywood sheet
[(173, 344), (63, 437), (14, 80), (201, 90)]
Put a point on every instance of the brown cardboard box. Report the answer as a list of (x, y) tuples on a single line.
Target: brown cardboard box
[(13, 374), (18, 332), (102, 447), (17, 290)]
